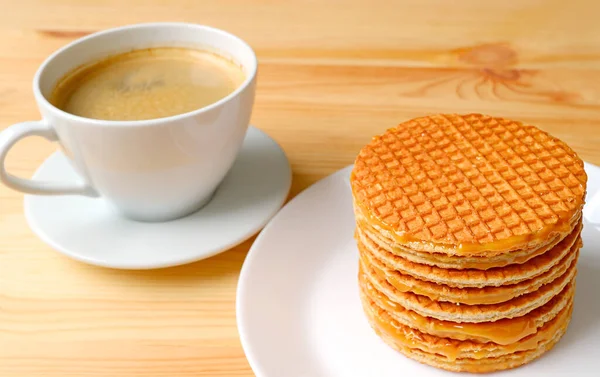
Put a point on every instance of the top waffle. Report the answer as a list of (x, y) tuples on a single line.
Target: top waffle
[(468, 183)]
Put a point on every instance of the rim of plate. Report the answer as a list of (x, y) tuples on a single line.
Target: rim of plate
[(249, 260)]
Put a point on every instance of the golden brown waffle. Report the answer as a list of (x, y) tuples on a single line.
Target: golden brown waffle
[(486, 365), (453, 348), (503, 332), (468, 230), (470, 296), (468, 185), (475, 262), (447, 311), (511, 274), (465, 356)]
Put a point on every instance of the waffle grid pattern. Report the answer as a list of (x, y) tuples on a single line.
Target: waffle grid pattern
[(468, 179)]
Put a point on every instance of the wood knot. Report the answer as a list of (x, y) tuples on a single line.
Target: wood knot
[(489, 55), (502, 74)]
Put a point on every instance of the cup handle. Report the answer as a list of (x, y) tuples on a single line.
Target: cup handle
[(10, 137)]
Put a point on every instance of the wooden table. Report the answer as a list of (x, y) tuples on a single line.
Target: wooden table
[(332, 73)]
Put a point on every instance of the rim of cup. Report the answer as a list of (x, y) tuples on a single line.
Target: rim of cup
[(250, 75)]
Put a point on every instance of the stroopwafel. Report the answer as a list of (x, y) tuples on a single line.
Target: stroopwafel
[(468, 230)]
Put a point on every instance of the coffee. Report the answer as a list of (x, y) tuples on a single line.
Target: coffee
[(147, 84)]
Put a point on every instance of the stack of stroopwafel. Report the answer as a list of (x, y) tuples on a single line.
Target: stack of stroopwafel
[(468, 229)]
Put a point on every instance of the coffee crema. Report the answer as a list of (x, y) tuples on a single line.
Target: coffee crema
[(147, 84)]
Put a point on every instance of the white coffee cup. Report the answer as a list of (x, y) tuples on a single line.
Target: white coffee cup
[(149, 170)]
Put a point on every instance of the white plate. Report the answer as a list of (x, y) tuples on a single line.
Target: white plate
[(299, 313), (89, 230)]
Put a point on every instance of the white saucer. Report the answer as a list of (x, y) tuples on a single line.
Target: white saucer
[(88, 230), (299, 313)]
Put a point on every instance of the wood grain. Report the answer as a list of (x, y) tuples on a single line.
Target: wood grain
[(331, 75)]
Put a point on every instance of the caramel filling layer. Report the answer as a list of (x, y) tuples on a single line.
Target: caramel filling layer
[(543, 263), (483, 265), (451, 349), (463, 249), (503, 332), (494, 295)]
